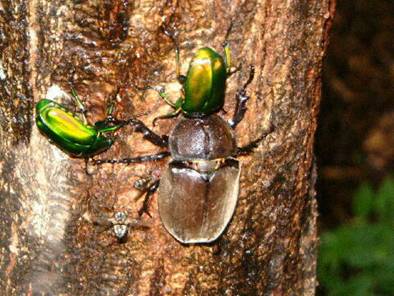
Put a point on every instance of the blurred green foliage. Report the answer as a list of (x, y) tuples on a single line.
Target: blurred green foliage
[(357, 258)]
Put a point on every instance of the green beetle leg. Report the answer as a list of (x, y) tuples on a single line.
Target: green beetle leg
[(227, 50), (176, 106), (110, 125), (166, 116), (242, 99), (82, 110), (227, 56), (81, 107), (164, 96), (227, 60)]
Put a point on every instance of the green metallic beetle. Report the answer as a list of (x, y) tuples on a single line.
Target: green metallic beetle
[(75, 136), (204, 85), (71, 134)]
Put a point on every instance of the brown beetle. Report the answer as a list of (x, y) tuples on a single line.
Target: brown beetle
[(198, 192)]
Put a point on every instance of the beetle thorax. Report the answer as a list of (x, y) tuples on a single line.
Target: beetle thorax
[(206, 166), (202, 139)]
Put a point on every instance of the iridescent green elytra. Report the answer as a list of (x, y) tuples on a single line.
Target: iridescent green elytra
[(205, 83), (71, 134)]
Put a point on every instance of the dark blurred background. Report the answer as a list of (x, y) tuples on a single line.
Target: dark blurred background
[(355, 152)]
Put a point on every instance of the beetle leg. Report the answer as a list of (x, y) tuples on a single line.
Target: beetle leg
[(227, 60), (226, 48), (253, 145), (164, 96), (134, 223), (148, 134), (169, 115), (137, 159), (111, 124), (149, 192), (172, 34), (147, 186), (241, 98), (227, 53), (109, 110), (81, 107), (180, 77), (230, 73), (140, 127)]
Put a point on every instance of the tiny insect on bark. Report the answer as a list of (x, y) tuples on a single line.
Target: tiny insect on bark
[(120, 223)]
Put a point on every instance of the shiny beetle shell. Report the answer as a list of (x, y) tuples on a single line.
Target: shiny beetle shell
[(207, 138), (205, 83), (68, 132), (199, 190)]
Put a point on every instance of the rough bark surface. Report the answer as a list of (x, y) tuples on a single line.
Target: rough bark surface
[(48, 241)]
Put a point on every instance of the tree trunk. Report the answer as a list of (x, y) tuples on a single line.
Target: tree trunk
[(111, 49)]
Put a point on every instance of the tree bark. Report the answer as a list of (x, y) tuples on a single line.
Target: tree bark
[(105, 49)]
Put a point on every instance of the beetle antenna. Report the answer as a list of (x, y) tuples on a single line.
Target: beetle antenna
[(251, 76), (228, 32), (173, 34), (241, 98)]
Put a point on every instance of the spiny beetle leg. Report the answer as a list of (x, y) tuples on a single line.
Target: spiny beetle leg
[(140, 127), (151, 136), (137, 159), (149, 192), (247, 149), (242, 99)]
